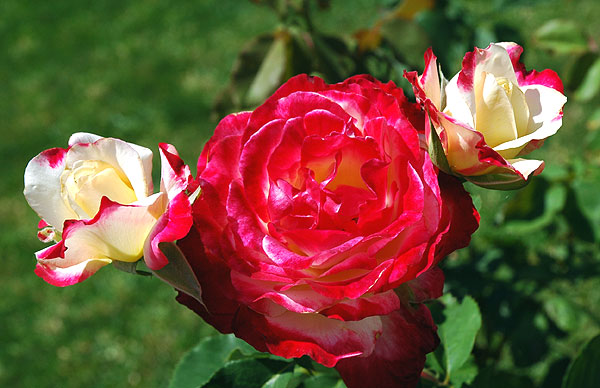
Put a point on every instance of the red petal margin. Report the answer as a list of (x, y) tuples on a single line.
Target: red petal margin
[(231, 126), (399, 355), (174, 224), (546, 77), (427, 286), (76, 269), (462, 215), (175, 174), (291, 334), (218, 295)]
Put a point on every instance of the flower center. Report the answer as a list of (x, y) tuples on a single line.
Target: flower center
[(87, 181), (502, 113), (519, 105), (506, 85)]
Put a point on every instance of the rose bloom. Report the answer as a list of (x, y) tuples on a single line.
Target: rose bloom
[(319, 227), (95, 200), (491, 113)]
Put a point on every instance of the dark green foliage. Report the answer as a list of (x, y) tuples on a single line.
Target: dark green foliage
[(153, 72), (228, 362), (584, 371)]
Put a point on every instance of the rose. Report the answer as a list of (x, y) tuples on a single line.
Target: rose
[(491, 113), (319, 227), (95, 199)]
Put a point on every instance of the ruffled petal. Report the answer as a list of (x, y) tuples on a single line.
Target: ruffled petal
[(135, 165), (118, 232), (175, 174), (43, 187), (397, 360), (325, 340), (144, 153), (546, 77), (430, 79), (231, 127), (173, 225), (67, 276), (82, 138), (527, 167)]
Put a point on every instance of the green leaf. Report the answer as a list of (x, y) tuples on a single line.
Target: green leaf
[(248, 373), (465, 374), (579, 222), (322, 381), (555, 199), (178, 272), (561, 36), (564, 313), (332, 57), (584, 370), (280, 380), (591, 83), (578, 70), (436, 151), (458, 331), (200, 364), (503, 181), (408, 38), (247, 64), (271, 73), (129, 267), (443, 84), (432, 363)]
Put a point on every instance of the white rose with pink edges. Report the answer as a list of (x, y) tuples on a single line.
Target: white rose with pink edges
[(95, 200)]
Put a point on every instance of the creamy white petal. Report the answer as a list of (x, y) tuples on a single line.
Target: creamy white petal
[(545, 107), (460, 104), (495, 60), (83, 137), (527, 166), (495, 118), (43, 189), (119, 154)]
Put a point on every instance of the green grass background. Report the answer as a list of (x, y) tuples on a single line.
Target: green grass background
[(146, 72)]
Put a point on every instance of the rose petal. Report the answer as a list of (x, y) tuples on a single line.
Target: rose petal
[(546, 77), (83, 138), (62, 277), (527, 167), (175, 174), (430, 79), (119, 154), (118, 232), (43, 187), (545, 106), (399, 356), (253, 164), (324, 339), (232, 127), (173, 225)]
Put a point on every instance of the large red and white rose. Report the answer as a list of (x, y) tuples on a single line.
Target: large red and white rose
[(95, 200), (491, 113), (319, 227)]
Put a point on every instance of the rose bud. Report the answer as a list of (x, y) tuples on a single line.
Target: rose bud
[(490, 114), (95, 200)]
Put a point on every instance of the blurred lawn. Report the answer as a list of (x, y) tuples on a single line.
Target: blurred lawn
[(144, 72), (141, 72)]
